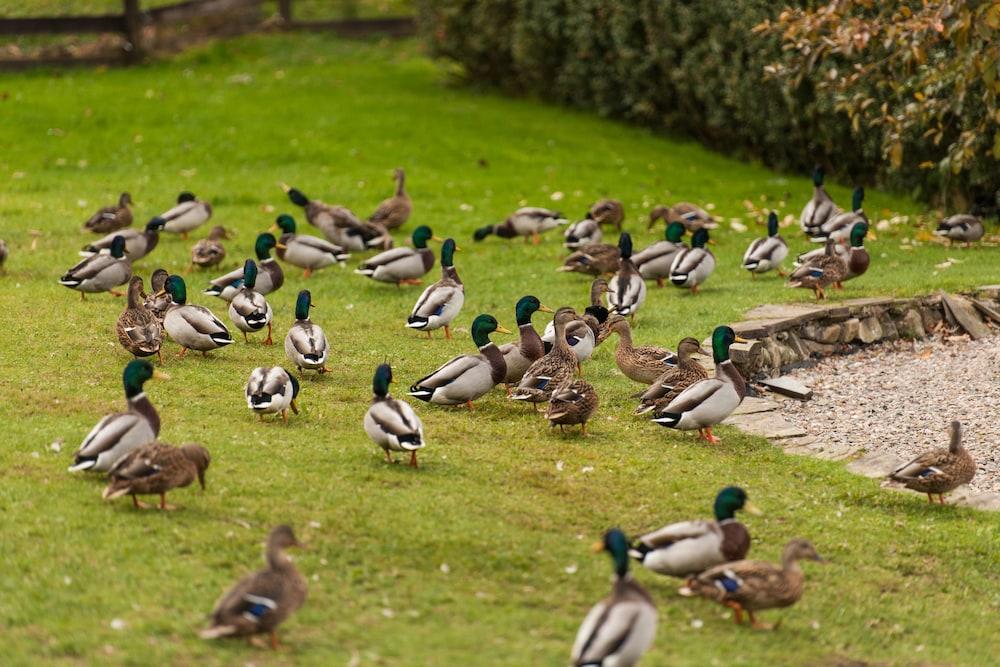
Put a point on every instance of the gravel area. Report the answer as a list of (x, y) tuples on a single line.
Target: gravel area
[(898, 398)]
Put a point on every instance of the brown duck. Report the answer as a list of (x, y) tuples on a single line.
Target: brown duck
[(138, 329), (820, 273), (155, 469), (939, 470), (607, 212), (643, 364), (210, 252), (111, 218), (674, 380), (559, 365), (573, 402), (394, 211)]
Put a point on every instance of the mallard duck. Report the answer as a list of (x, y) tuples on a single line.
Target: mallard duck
[(305, 343), (707, 402), (260, 602), (752, 585), (272, 391), (304, 251), (339, 224), (607, 212), (767, 253), (583, 233), (155, 469), (270, 277), (593, 259), (693, 217), (572, 402), (643, 364), (391, 423), (839, 226), (249, 309), (189, 214), (654, 261), (101, 272), (692, 266), (575, 334), (441, 302), (620, 628), (467, 376), (138, 329), (209, 252), (820, 208), (158, 300), (675, 379), (192, 327), (111, 218), (403, 266), (394, 211), (962, 227), (528, 222), (626, 289), (558, 365), (858, 258), (686, 548), (939, 470), (137, 244), (820, 273), (529, 348), (120, 432)]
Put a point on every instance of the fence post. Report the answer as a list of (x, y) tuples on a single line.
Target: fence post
[(133, 31), (285, 10)]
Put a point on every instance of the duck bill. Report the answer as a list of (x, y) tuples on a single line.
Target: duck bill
[(439, 240), (597, 547), (704, 352), (286, 187), (160, 375), (280, 246), (504, 330), (273, 228), (545, 309), (753, 509), (741, 339)]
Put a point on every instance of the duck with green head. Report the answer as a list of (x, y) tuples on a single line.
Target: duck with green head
[(820, 208), (441, 302), (626, 289), (339, 224), (654, 262), (270, 277), (190, 326), (306, 252), (692, 266), (249, 310), (763, 255), (189, 214), (305, 343), (101, 272), (529, 348), (857, 259), (272, 391), (138, 244), (839, 226), (391, 423), (403, 266), (529, 222)]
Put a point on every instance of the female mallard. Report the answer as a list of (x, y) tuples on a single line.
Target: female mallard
[(208, 252), (686, 548), (693, 217), (269, 278), (138, 329), (391, 423), (593, 259), (155, 469), (272, 391), (962, 227), (529, 348), (468, 376), (120, 432), (394, 211), (403, 266), (820, 208), (441, 302), (674, 380), (111, 218), (767, 253), (528, 222), (339, 224), (189, 214), (573, 402), (707, 402), (692, 266), (305, 343), (583, 233), (753, 585), (821, 272), (654, 262), (939, 470), (839, 226), (100, 273), (626, 289), (260, 602), (607, 212), (158, 301), (558, 365), (620, 628), (249, 310), (192, 327), (304, 251), (643, 364), (137, 244)]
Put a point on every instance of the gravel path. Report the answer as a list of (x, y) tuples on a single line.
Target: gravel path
[(898, 398)]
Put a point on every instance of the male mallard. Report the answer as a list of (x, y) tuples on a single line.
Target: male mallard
[(686, 548), (626, 289), (261, 601), (101, 272), (529, 348), (820, 208), (558, 365), (692, 266), (272, 391), (189, 214), (607, 212), (583, 233), (468, 376), (403, 266), (138, 329), (767, 253), (572, 402), (858, 259), (339, 224), (391, 423), (654, 261), (939, 470), (158, 301), (155, 469), (753, 585), (111, 218), (593, 259), (192, 327), (839, 226), (821, 272), (962, 227), (304, 251), (707, 402), (120, 432), (620, 628), (208, 252), (574, 332), (249, 309), (394, 211), (269, 278), (643, 364), (441, 302), (528, 222), (675, 379), (305, 343), (137, 244), (693, 217)]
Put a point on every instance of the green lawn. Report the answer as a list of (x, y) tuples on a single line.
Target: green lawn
[(907, 584)]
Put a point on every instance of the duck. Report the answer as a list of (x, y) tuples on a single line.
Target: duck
[(621, 628), (582, 233), (593, 259), (675, 379), (626, 289), (118, 433), (820, 208), (155, 469), (938, 471), (607, 212), (305, 343), (137, 244), (138, 329), (440, 303), (466, 377), (391, 423), (192, 327), (393, 212), (262, 601), (654, 261), (838, 227), (101, 272), (209, 252), (692, 266), (752, 585), (692, 216), (688, 548), (403, 266), (158, 301), (189, 214), (249, 309), (270, 277), (821, 272), (529, 347), (4, 253), (558, 365), (572, 402), (306, 252), (765, 254), (271, 391), (529, 222), (642, 364), (708, 402), (575, 332), (962, 227), (111, 218), (857, 259), (339, 224)]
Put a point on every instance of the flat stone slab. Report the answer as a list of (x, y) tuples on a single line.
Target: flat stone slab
[(800, 312), (875, 465), (965, 314), (767, 425), (789, 387), (752, 405), (987, 310), (969, 498)]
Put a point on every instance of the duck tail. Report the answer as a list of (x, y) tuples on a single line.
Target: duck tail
[(417, 322), (668, 419), (217, 631), (115, 490), (82, 464), (678, 279), (423, 393)]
